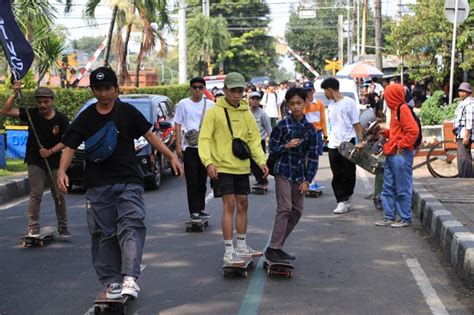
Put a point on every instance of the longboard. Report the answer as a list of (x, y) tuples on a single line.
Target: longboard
[(238, 270), (37, 241), (117, 306), (314, 193), (192, 226), (278, 268), (258, 190), (363, 158)]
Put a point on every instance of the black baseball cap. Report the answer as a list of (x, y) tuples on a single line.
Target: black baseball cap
[(103, 76)]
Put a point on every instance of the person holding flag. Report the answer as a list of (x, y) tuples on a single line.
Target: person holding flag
[(50, 127)]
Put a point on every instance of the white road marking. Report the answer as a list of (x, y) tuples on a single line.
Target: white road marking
[(13, 203), (209, 197), (363, 175), (434, 303)]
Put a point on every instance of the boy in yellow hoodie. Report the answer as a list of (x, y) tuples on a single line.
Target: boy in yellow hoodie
[(230, 174)]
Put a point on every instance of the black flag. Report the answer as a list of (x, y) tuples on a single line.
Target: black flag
[(17, 50)]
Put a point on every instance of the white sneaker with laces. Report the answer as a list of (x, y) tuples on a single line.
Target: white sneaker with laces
[(130, 287), (248, 252), (233, 259), (341, 208)]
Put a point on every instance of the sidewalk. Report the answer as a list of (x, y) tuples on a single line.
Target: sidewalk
[(13, 187)]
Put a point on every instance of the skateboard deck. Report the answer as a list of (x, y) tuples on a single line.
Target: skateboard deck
[(238, 270), (37, 241), (116, 306), (314, 193), (278, 268), (196, 226), (259, 190), (363, 158)]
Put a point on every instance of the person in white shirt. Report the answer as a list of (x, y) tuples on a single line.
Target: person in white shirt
[(271, 104), (188, 119), (343, 115), (463, 130)]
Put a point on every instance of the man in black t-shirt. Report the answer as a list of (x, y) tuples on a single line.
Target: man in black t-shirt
[(50, 126), (114, 196)]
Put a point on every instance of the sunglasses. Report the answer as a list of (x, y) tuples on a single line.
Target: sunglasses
[(197, 87)]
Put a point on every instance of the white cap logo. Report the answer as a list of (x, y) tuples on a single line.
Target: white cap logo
[(100, 76)]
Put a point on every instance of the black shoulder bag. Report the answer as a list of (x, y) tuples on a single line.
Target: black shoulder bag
[(274, 157), (239, 147)]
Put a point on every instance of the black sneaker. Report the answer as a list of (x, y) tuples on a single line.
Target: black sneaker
[(64, 233), (194, 217), (285, 255), (274, 255), (204, 215)]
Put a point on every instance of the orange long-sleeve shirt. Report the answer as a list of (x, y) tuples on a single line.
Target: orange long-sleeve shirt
[(316, 114)]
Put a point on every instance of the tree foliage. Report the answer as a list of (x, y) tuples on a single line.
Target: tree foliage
[(207, 39)]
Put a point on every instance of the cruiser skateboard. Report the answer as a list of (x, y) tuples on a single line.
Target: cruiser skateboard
[(46, 235), (278, 268), (115, 306), (259, 190), (238, 270), (194, 226)]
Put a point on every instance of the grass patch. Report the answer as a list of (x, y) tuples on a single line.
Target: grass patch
[(13, 167)]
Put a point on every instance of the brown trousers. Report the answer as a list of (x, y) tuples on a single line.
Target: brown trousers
[(289, 210), (37, 177)]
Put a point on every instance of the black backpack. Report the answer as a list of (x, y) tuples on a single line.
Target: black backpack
[(418, 122)]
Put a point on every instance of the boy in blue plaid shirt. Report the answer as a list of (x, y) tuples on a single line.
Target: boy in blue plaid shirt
[(294, 140)]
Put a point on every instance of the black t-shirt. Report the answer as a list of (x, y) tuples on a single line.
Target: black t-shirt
[(122, 165), (50, 133)]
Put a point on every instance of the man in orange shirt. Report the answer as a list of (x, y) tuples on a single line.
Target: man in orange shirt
[(316, 114)]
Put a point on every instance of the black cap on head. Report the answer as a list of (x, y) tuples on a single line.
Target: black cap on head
[(103, 76), (197, 80)]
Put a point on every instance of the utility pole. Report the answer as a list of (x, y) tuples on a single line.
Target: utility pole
[(341, 38), (358, 29), (349, 32), (364, 27), (399, 10), (353, 24), (378, 35), (183, 70), (205, 7)]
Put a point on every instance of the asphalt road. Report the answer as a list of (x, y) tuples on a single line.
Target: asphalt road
[(345, 264)]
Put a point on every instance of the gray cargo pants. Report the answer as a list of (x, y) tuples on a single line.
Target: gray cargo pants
[(464, 160), (115, 218), (290, 204)]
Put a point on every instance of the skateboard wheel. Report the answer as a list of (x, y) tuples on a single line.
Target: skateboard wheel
[(245, 274), (206, 224), (97, 310), (40, 243), (201, 229), (288, 275), (226, 274), (188, 229), (25, 244), (269, 271)]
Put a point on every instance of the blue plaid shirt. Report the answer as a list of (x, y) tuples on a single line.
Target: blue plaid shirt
[(300, 163)]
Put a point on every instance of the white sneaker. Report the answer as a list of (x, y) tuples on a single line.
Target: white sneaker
[(130, 287), (114, 291), (248, 252), (233, 258), (341, 208), (347, 204)]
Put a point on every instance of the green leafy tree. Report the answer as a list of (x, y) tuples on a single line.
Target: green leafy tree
[(251, 49), (87, 44), (207, 39), (424, 41)]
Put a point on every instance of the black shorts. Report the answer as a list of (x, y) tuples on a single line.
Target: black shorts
[(231, 184)]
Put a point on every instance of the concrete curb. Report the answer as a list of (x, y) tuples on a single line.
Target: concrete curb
[(456, 241), (14, 189)]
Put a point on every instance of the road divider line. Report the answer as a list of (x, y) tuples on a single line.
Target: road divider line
[(431, 297), (209, 197)]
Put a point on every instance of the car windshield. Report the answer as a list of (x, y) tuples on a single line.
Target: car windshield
[(143, 106), (320, 96)]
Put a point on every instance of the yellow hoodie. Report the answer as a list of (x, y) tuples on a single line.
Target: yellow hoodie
[(215, 139)]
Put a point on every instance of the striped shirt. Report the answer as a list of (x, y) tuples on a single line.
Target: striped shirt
[(299, 163), (464, 117)]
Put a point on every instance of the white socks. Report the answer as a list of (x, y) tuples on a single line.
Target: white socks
[(229, 247), (241, 241)]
